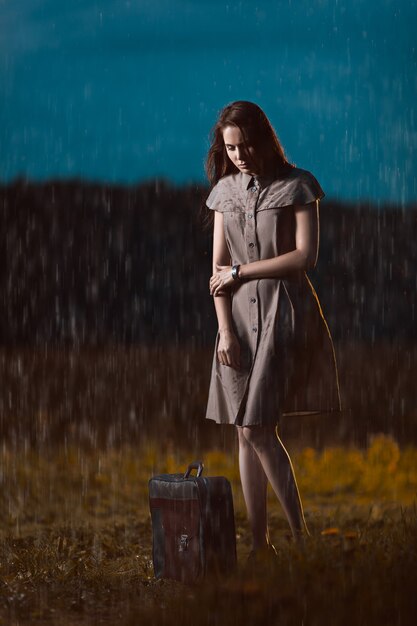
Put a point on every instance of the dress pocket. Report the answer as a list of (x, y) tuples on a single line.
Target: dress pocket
[(272, 210)]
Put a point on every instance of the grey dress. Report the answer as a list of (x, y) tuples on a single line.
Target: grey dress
[(288, 363)]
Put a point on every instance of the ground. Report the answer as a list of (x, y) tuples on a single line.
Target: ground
[(76, 541)]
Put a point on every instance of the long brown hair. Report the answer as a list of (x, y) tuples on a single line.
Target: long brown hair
[(257, 131)]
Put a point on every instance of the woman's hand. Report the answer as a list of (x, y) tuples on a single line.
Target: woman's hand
[(222, 280), (228, 350)]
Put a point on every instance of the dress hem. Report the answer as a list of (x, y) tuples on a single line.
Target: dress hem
[(286, 414)]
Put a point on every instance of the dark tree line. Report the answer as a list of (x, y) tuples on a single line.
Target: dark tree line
[(89, 264)]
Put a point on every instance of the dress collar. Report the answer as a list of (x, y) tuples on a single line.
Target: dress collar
[(248, 180)]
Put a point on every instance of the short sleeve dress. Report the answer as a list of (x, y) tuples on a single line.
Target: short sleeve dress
[(288, 363)]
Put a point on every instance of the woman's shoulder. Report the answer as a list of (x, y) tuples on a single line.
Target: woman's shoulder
[(223, 193), (295, 186), (228, 181), (296, 175)]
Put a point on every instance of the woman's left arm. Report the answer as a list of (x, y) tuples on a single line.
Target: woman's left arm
[(303, 257)]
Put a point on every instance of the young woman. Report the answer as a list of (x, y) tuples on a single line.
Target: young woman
[(273, 352)]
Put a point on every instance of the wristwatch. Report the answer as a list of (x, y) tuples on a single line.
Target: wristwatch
[(235, 272)]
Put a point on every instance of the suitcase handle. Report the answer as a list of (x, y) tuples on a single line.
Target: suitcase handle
[(197, 465)]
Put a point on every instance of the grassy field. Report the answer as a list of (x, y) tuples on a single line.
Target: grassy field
[(76, 541)]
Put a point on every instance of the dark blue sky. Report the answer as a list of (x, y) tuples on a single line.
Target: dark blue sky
[(124, 91)]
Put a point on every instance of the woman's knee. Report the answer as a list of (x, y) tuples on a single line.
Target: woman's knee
[(241, 437), (259, 437)]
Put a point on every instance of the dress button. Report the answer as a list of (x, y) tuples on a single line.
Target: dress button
[(255, 329), (251, 244), (254, 189), (250, 215), (253, 300)]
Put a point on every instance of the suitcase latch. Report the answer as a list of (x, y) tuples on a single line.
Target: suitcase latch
[(183, 543)]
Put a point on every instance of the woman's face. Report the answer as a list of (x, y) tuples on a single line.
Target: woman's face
[(240, 156)]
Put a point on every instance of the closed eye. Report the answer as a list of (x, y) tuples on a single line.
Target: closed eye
[(232, 147)]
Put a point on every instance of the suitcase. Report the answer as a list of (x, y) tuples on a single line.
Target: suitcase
[(193, 527)]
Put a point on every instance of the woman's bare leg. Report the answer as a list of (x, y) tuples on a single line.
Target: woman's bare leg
[(254, 486), (278, 468)]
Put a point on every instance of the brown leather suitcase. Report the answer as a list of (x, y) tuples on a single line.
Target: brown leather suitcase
[(193, 527)]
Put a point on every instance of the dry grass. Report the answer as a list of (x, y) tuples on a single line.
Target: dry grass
[(76, 541)]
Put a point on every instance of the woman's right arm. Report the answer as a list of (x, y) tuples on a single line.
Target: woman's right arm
[(228, 351)]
